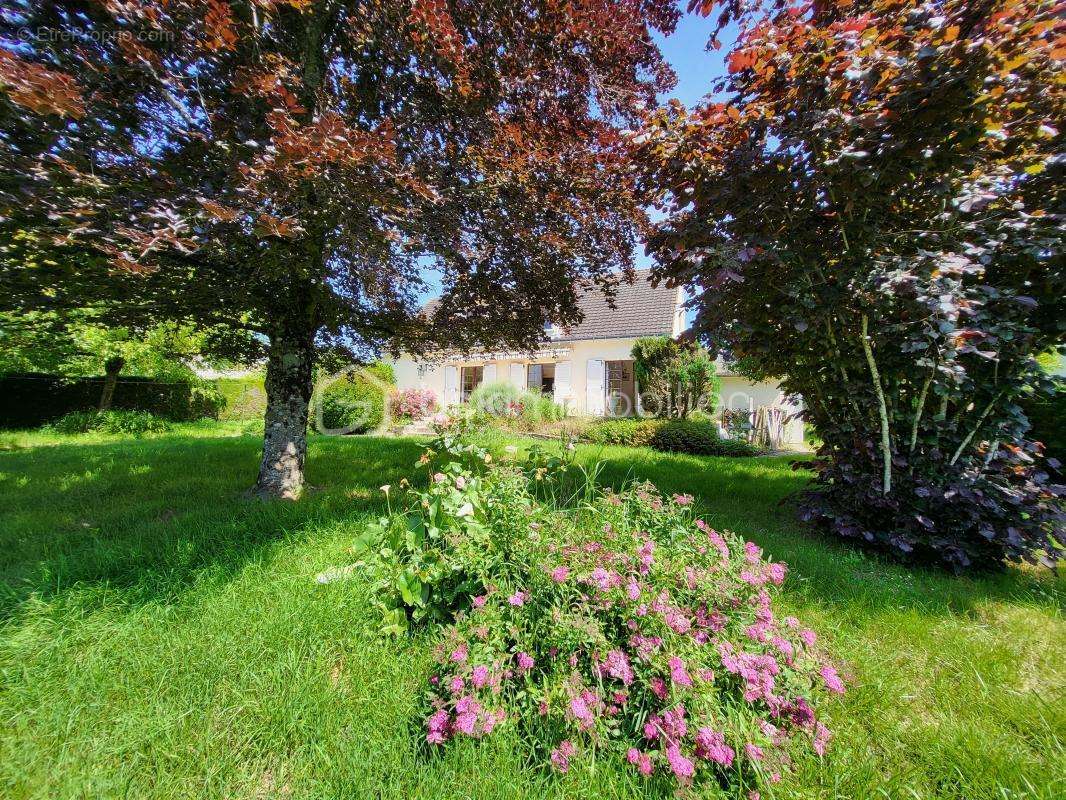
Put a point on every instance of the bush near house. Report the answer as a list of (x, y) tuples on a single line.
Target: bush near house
[(605, 625), (538, 407), (677, 378), (500, 399), (412, 403), (630, 432), (693, 436), (355, 402), (505, 400), (698, 438)]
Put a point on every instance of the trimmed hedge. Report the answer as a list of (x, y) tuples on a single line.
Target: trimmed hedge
[(355, 403), (31, 399), (630, 432), (697, 437)]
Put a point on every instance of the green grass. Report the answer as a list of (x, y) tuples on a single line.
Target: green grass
[(162, 636)]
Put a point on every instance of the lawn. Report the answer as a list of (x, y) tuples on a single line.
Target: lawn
[(162, 636)]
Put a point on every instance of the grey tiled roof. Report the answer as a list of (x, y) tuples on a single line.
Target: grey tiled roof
[(640, 310)]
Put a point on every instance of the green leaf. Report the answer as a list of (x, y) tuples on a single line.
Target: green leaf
[(410, 588)]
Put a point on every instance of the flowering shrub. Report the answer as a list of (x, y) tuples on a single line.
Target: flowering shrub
[(648, 636), (620, 626), (412, 403)]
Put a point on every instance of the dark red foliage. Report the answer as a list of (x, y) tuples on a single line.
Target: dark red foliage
[(874, 215)]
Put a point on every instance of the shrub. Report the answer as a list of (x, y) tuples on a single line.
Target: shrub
[(904, 276), (623, 627), (205, 401), (505, 400), (412, 403), (697, 438), (628, 432), (354, 402), (135, 423), (499, 399), (538, 407), (676, 377)]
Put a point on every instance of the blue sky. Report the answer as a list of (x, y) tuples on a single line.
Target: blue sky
[(696, 68)]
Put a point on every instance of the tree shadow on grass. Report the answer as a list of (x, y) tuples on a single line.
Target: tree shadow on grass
[(755, 497), (142, 520)]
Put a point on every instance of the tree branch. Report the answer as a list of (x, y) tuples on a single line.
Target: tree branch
[(918, 411), (977, 426), (875, 376)]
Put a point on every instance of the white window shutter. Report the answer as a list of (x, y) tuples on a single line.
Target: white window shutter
[(562, 383), (489, 375), (518, 375), (451, 386), (595, 393)]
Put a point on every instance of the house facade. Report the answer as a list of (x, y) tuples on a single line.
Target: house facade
[(588, 369)]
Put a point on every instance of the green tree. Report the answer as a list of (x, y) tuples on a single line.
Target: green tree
[(675, 377), (294, 167)]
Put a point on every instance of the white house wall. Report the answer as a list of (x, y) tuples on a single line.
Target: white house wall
[(737, 393)]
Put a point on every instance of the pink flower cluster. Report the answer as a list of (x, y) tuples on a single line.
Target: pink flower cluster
[(562, 754), (470, 718), (684, 624), (412, 403)]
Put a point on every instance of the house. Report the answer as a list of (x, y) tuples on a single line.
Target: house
[(587, 368)]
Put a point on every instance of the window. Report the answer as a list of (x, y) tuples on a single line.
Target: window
[(541, 377), (620, 387), (472, 377)]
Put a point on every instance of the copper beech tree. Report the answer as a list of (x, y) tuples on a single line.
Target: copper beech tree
[(294, 168), (875, 213)]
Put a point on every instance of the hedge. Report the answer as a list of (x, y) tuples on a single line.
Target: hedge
[(32, 399), (695, 436), (698, 438), (629, 432)]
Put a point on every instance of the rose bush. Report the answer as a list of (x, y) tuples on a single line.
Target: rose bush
[(623, 626), (412, 403)]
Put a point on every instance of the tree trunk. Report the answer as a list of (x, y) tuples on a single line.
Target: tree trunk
[(112, 367), (288, 387)]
